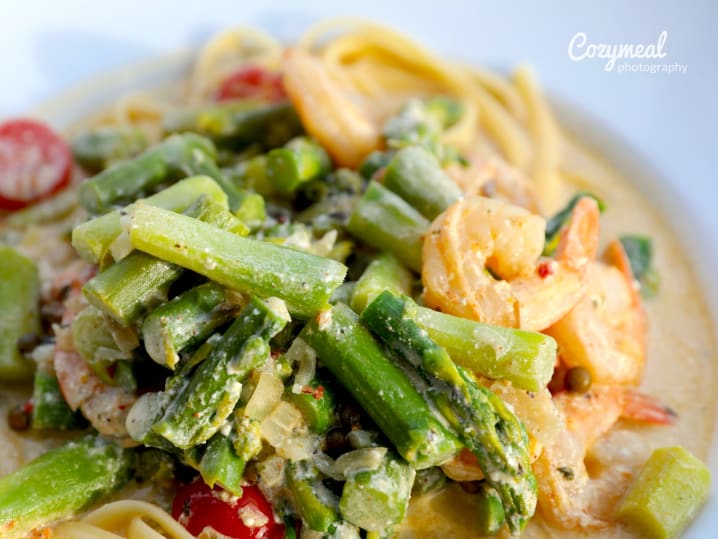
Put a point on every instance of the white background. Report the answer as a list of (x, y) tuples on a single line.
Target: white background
[(48, 46)]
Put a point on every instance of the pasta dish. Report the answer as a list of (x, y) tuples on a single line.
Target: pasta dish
[(341, 288)]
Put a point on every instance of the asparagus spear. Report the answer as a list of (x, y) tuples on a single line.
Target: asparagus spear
[(300, 161), (415, 175), (49, 409), (19, 293), (60, 483), (376, 499), (131, 287), (383, 273), (523, 357), (198, 408), (97, 148), (374, 162), (484, 423), (667, 494), (386, 221), (240, 123), (422, 123), (304, 281), (92, 239), (129, 179), (315, 503), (489, 510), (221, 464), (185, 321), (139, 282), (317, 404), (352, 355)]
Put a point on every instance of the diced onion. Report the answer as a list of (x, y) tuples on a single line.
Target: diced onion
[(359, 439), (305, 356), (265, 397), (368, 458), (298, 448), (278, 425), (252, 517), (326, 465)]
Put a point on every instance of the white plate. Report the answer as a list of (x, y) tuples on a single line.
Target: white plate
[(667, 120)]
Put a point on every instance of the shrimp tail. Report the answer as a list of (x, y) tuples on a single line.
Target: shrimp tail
[(646, 409)]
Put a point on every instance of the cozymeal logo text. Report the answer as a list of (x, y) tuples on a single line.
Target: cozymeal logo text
[(622, 56)]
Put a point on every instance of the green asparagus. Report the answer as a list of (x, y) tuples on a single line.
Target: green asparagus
[(317, 403), (386, 221), (198, 408), (416, 176), (221, 465), (383, 273), (314, 502), (49, 409), (376, 499), (131, 179), (352, 355), (238, 124), (19, 296), (304, 281), (484, 423), (187, 320), (92, 239), (60, 483), (524, 358), (98, 148), (374, 162), (489, 510), (667, 494), (300, 161)]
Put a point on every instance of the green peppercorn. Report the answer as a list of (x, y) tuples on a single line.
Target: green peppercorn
[(578, 380)]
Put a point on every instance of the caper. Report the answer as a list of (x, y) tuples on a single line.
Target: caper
[(578, 380)]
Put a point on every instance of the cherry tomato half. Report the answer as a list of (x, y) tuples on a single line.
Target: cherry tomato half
[(252, 81), (34, 163), (197, 506)]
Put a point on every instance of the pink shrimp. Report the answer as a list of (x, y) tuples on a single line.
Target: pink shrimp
[(478, 235)]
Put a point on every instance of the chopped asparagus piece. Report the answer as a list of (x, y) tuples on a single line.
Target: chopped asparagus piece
[(187, 320), (383, 390), (666, 496), (383, 273), (60, 483), (377, 499), (304, 281), (19, 294), (98, 148), (198, 408), (386, 221), (415, 175)]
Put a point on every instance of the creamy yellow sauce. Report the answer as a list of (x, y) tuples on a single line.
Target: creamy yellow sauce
[(681, 371)]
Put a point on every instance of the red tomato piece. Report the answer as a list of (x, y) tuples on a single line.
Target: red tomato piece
[(252, 81), (197, 506), (34, 163)]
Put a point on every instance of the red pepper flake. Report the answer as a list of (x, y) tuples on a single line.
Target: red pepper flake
[(317, 393), (27, 407), (546, 268), (122, 407)]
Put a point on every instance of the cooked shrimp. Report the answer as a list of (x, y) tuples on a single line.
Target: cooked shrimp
[(103, 405), (590, 415), (478, 235), (327, 110), (606, 330), (494, 178), (567, 426)]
